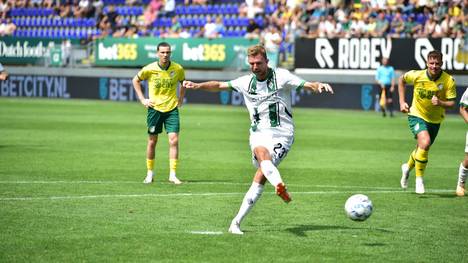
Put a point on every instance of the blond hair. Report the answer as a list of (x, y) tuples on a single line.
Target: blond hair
[(256, 50)]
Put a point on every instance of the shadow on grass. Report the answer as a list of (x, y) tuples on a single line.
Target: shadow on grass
[(439, 195), (302, 229)]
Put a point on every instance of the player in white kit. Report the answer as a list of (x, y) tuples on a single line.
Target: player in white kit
[(267, 95), (463, 170)]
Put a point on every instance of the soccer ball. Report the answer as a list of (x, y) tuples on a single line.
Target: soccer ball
[(358, 207)]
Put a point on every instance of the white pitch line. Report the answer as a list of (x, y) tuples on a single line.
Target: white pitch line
[(201, 194), (194, 183), (206, 232)]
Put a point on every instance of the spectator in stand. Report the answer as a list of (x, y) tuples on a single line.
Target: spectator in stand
[(210, 28), (446, 25), (4, 8), (397, 26), (169, 8), (7, 27), (381, 26), (132, 2), (455, 9), (441, 9), (312, 28), (131, 32), (121, 27), (356, 27), (272, 41), (219, 25), (253, 30), (65, 9), (112, 17), (184, 33), (98, 6), (196, 2), (329, 28), (175, 25), (35, 3), (20, 3), (429, 27), (251, 8), (458, 30), (83, 9), (152, 11), (412, 28), (371, 24), (345, 28), (143, 30)]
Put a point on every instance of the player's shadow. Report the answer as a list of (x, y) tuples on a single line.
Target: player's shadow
[(301, 230), (439, 195)]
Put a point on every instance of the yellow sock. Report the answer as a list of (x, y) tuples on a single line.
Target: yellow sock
[(150, 164), (421, 158), (172, 165), (411, 159)]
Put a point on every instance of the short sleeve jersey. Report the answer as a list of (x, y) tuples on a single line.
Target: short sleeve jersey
[(385, 74), (269, 101), (464, 99), (162, 84), (443, 87)]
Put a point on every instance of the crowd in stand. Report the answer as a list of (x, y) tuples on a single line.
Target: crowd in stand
[(275, 22)]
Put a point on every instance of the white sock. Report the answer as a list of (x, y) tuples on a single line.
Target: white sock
[(271, 173), (250, 198), (172, 175), (462, 172)]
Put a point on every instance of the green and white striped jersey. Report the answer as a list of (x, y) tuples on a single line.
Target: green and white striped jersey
[(464, 99), (269, 101)]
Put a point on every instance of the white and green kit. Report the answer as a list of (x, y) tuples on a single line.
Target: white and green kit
[(269, 105)]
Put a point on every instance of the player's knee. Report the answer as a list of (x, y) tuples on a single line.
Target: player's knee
[(152, 140), (425, 144), (173, 140), (465, 162)]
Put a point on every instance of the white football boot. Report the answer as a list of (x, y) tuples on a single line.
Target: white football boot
[(149, 177), (234, 228), (404, 176), (420, 185)]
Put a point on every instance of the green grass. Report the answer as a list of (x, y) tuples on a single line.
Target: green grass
[(71, 191)]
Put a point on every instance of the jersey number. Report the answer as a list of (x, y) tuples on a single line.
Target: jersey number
[(279, 150)]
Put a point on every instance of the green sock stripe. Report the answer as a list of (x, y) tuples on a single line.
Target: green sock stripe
[(420, 161)]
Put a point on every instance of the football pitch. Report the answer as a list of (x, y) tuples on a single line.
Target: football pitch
[(71, 188)]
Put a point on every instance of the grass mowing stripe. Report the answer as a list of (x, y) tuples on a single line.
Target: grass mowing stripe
[(192, 183), (204, 195)]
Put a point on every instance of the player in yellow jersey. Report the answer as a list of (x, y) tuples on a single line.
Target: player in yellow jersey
[(163, 77), (434, 91)]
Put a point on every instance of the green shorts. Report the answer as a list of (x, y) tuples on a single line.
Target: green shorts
[(156, 119), (417, 125)]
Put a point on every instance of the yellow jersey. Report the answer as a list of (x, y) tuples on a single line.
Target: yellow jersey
[(162, 84), (443, 87)]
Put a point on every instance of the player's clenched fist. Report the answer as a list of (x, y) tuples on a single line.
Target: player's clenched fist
[(189, 85)]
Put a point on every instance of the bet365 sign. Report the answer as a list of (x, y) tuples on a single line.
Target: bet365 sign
[(190, 53)]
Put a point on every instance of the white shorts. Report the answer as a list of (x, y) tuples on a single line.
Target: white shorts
[(466, 143), (278, 145)]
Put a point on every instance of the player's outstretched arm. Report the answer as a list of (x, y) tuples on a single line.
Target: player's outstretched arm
[(404, 107), (318, 87), (209, 85)]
